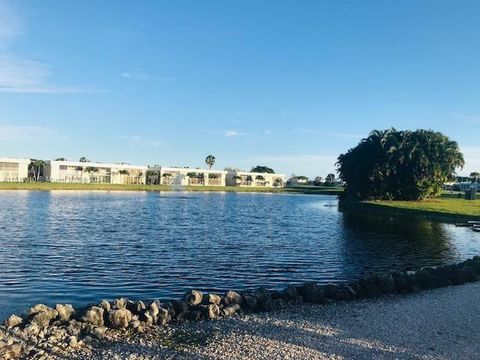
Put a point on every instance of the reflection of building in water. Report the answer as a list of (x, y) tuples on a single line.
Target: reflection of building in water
[(89, 172), (13, 170)]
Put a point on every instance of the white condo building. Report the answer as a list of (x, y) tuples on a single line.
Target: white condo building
[(255, 179), (187, 176), (13, 170), (92, 172)]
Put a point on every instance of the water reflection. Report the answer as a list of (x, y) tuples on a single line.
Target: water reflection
[(82, 246), (400, 242)]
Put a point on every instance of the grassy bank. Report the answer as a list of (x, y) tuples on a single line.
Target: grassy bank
[(114, 187), (324, 190), (446, 206)]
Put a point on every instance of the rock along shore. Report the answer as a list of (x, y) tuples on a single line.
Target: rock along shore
[(49, 332)]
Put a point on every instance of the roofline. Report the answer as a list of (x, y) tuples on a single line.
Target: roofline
[(255, 173), (170, 168), (96, 164), (9, 159)]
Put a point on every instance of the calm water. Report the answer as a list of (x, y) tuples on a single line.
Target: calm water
[(80, 247)]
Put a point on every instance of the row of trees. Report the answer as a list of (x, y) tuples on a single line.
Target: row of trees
[(475, 177), (318, 181), (400, 165)]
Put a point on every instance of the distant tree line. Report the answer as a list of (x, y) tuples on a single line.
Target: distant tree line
[(296, 180)]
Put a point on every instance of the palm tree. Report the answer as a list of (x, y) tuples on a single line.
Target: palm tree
[(32, 170), (167, 177), (36, 166), (191, 175), (123, 172), (90, 169), (83, 159), (210, 160), (237, 179), (152, 177)]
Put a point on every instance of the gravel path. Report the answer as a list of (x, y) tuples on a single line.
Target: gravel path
[(438, 324)]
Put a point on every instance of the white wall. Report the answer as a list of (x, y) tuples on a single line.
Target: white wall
[(15, 176), (269, 178)]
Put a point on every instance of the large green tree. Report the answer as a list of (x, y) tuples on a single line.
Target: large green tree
[(262, 169), (330, 179), (402, 165)]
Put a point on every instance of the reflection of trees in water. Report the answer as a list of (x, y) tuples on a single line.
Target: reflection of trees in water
[(375, 242)]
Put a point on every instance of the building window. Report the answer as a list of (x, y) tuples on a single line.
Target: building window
[(8, 166)]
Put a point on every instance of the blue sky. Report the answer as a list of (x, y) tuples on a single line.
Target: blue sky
[(286, 84)]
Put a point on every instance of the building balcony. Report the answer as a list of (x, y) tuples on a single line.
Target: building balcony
[(215, 182), (196, 181)]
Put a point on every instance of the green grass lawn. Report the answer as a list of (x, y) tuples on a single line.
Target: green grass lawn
[(324, 190), (112, 187), (446, 205)]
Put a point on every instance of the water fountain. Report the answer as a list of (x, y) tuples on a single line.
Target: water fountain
[(177, 183)]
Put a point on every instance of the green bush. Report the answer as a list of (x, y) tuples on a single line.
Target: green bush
[(399, 165)]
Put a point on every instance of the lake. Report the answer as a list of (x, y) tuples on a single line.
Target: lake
[(81, 247)]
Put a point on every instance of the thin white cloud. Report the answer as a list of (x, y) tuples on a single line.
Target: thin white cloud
[(226, 133), (142, 140), (232, 133), (22, 133), (304, 131), (17, 73), (268, 132), (143, 76)]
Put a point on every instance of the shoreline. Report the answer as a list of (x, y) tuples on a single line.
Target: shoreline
[(436, 211), (64, 331), (390, 327), (163, 188)]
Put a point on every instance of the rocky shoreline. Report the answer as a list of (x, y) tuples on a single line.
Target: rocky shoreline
[(50, 332)]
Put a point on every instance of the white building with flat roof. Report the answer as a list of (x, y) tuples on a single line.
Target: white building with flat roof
[(186, 176), (255, 179), (93, 172), (13, 170)]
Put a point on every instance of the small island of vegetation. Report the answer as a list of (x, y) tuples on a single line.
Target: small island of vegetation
[(404, 171)]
